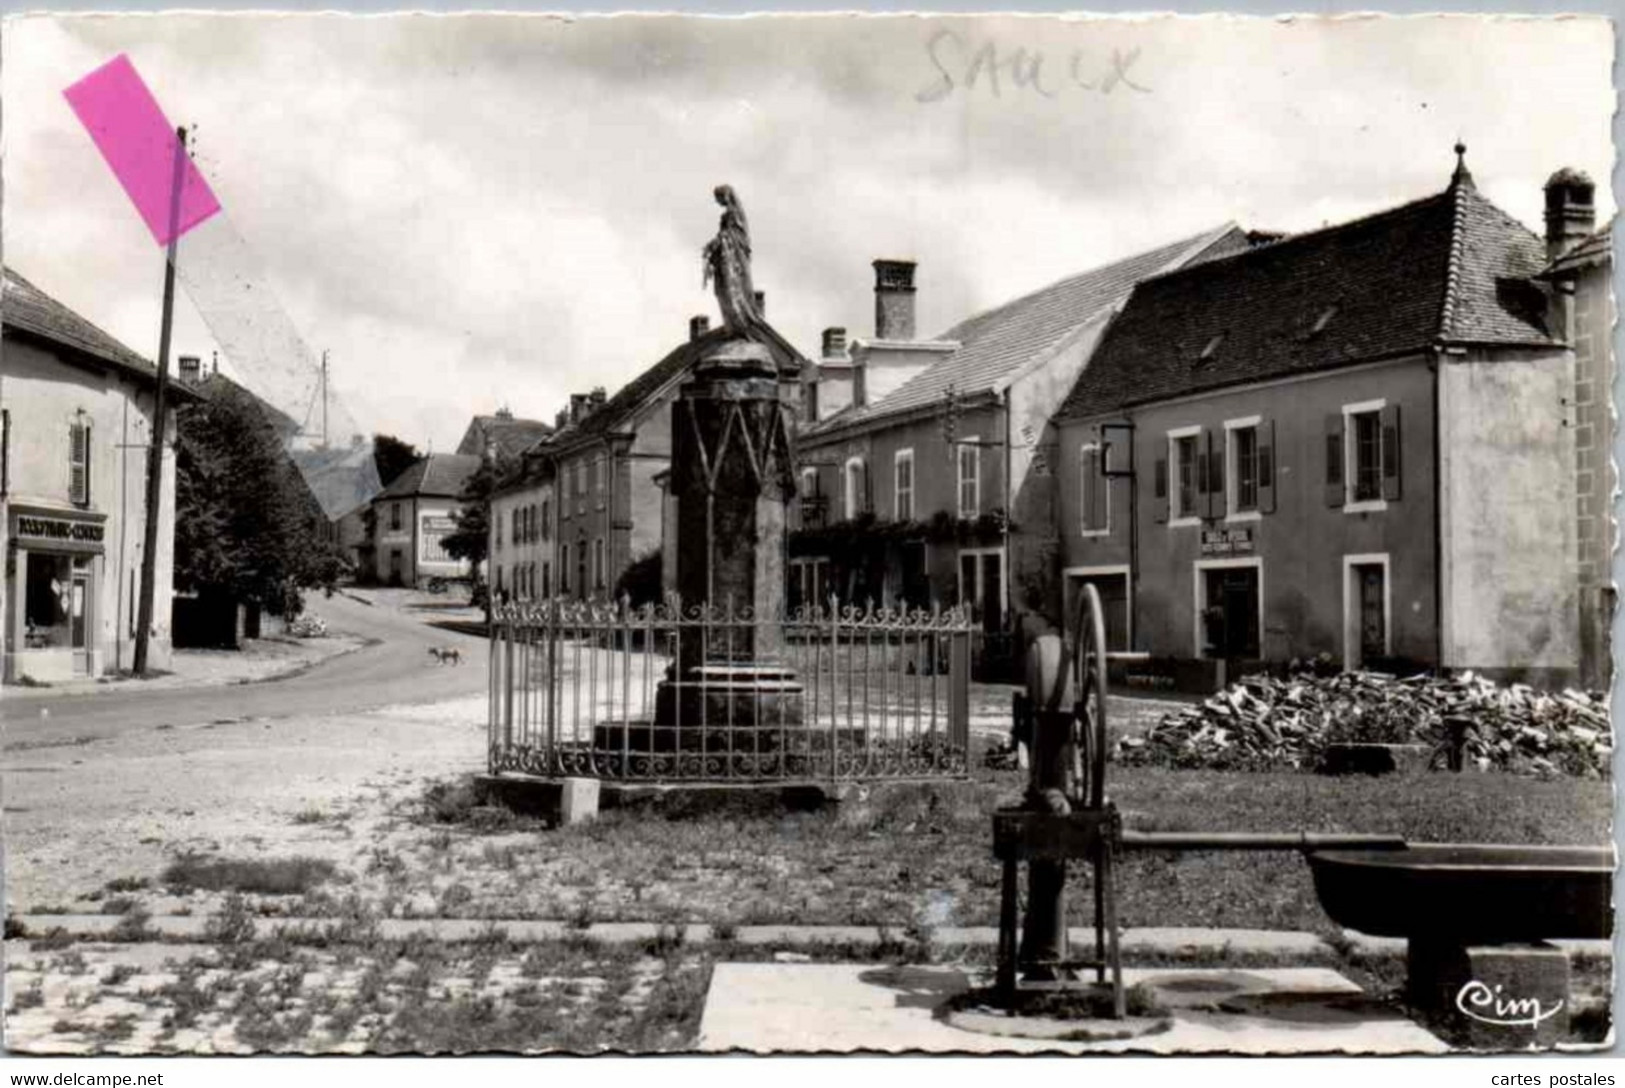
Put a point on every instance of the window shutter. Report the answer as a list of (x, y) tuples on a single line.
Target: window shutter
[(1334, 459), (1218, 504), (1159, 489), (1099, 482), (1390, 453), (868, 489), (1266, 467), (78, 463)]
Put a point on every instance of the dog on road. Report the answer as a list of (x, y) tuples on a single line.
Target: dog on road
[(446, 655)]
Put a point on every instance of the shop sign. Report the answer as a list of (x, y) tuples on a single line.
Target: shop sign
[(1227, 541), (437, 524), (82, 532)]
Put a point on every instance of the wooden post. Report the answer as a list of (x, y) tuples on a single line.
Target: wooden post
[(155, 451)]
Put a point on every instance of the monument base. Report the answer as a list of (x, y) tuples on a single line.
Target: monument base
[(731, 695)]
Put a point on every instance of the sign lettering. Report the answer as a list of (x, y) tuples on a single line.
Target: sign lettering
[(59, 529), (1227, 541)]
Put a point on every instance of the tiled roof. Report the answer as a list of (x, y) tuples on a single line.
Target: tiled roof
[(511, 436), (1593, 250), (25, 307), (1451, 267), (996, 343), (618, 409), (439, 474)]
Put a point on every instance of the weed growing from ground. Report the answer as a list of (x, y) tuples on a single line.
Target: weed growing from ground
[(261, 876)]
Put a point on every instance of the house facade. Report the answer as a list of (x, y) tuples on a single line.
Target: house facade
[(1355, 442), (1580, 277), (926, 477), (76, 421), (414, 514), (595, 484)]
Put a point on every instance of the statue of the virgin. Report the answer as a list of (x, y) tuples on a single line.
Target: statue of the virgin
[(727, 264)]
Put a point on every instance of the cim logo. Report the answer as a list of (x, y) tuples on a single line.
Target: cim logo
[(1488, 1006)]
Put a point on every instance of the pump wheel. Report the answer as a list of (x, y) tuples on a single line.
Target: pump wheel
[(1088, 652)]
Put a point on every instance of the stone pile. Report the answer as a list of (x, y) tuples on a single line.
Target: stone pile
[(1263, 723)]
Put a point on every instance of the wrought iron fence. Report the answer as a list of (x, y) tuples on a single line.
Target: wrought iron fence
[(673, 693)]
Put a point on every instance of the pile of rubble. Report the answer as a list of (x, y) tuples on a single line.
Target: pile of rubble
[(307, 626), (1265, 723)]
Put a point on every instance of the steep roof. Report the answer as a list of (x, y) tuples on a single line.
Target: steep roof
[(440, 474), (614, 413), (510, 435), (26, 308), (1450, 268), (996, 343)]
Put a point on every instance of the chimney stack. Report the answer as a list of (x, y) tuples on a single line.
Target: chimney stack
[(835, 342), (1571, 211), (894, 300), (698, 326), (596, 398), (761, 302), (578, 407), (191, 369)]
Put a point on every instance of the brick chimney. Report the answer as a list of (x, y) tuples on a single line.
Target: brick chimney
[(578, 407), (191, 369), (894, 300), (698, 326), (1571, 211), (596, 398)]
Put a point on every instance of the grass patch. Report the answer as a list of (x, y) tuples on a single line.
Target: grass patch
[(255, 876)]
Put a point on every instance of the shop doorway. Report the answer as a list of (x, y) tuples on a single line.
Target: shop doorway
[(79, 618), (981, 586), (1228, 613)]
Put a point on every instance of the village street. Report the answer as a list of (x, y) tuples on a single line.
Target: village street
[(113, 782), (394, 668)]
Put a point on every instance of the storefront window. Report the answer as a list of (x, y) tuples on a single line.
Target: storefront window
[(49, 605)]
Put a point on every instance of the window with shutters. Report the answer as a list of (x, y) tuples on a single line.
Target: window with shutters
[(1251, 455), (856, 495), (903, 485), (79, 463), (1367, 467), (1094, 493), (564, 567), (547, 519), (1363, 457), (970, 477), (1185, 485), (497, 536), (395, 516), (598, 562)]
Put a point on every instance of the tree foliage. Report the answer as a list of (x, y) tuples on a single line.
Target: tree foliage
[(392, 456), (245, 524), (471, 539)]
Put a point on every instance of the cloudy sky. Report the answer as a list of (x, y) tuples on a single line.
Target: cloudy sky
[(474, 211)]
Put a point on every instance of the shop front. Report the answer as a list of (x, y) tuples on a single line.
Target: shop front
[(53, 574)]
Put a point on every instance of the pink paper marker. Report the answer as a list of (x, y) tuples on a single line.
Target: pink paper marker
[(139, 144)]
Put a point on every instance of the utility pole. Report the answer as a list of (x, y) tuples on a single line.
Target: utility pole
[(155, 450), (324, 398)]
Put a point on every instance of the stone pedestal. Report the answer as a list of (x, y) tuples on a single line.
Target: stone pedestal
[(1493, 996), (731, 479)]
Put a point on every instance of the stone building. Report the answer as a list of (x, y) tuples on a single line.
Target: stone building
[(924, 476), (413, 514), (586, 503), (1356, 441), (76, 420), (1580, 277)]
